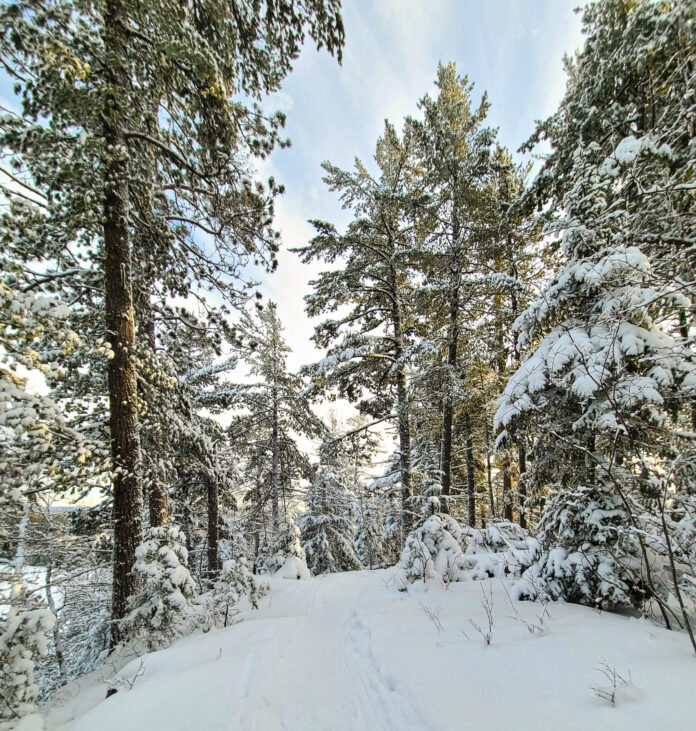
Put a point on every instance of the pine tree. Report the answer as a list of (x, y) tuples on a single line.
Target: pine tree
[(452, 148), (472, 256), (123, 86), (368, 537), (369, 346), (273, 413), (234, 583)]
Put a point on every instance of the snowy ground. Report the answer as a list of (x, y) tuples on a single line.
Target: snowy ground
[(347, 651)]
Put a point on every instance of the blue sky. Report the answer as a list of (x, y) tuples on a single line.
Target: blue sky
[(513, 49)]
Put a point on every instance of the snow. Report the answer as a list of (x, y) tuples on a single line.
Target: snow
[(32, 722), (349, 651), (293, 568), (627, 150)]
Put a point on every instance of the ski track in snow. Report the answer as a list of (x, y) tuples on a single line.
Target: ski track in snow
[(377, 702), (346, 653)]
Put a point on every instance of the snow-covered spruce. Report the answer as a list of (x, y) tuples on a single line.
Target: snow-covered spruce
[(161, 610), (588, 555), (499, 549), (327, 528), (434, 551), (23, 640), (285, 555), (368, 539), (234, 583)]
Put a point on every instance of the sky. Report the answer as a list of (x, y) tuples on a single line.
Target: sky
[(513, 49)]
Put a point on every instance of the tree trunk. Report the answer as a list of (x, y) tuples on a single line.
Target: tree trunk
[(452, 345), (489, 472), (470, 475), (684, 332), (521, 486), (404, 455), (57, 637), (147, 240), (448, 401), (157, 503), (404, 426), (187, 521), (120, 326), (213, 558), (590, 463), (275, 465), (155, 489), (157, 494), (507, 494)]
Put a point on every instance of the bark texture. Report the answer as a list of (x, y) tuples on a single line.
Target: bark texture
[(521, 486), (470, 475), (213, 513), (120, 323), (404, 426)]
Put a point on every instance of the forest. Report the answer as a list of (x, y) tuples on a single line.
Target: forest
[(507, 389)]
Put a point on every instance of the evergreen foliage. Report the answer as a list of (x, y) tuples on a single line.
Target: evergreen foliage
[(234, 583), (22, 641), (327, 529), (161, 609)]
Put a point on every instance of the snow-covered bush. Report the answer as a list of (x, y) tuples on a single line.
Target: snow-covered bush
[(588, 555), (500, 549), (23, 640), (434, 551), (234, 583), (294, 568), (160, 611)]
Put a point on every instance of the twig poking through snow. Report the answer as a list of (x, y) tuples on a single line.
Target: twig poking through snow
[(433, 614), (487, 605), (615, 680)]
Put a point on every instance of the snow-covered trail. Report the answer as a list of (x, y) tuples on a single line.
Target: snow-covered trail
[(347, 652)]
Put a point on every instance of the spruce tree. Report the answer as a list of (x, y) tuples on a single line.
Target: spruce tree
[(607, 386), (327, 529)]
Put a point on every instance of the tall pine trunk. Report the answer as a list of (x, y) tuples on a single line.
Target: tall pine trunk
[(120, 325), (489, 471), (470, 475), (448, 401), (684, 332), (404, 426), (155, 489), (147, 236), (275, 465), (507, 494), (521, 486), (452, 345), (213, 512)]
